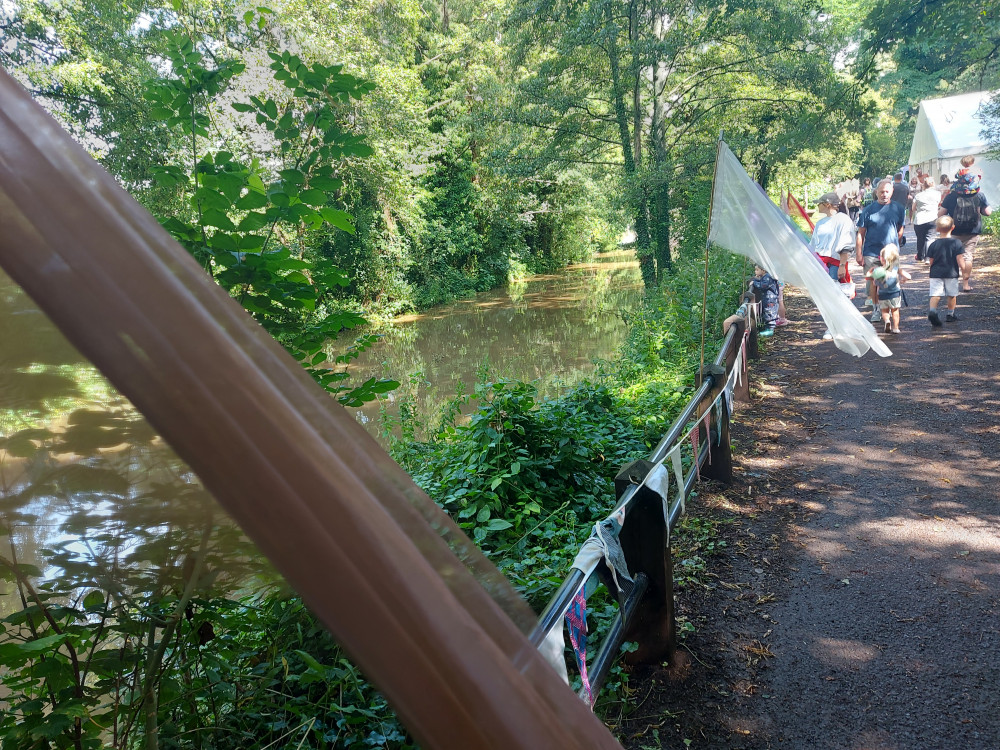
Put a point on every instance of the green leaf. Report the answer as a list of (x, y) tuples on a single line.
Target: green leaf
[(313, 197), (271, 108), (310, 661), (215, 218), (93, 600), (515, 468), (339, 219), (252, 222), (256, 184), (250, 242), (251, 200), (327, 184), (222, 241), (293, 176), (498, 524), (483, 515)]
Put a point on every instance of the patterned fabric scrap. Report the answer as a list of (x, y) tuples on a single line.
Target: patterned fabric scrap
[(576, 621)]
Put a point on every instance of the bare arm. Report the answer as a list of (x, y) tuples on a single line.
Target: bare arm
[(859, 243)]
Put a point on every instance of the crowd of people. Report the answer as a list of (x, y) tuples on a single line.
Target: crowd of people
[(867, 225)]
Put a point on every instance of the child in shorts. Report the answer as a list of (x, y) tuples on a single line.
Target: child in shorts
[(765, 286), (947, 258), (889, 278)]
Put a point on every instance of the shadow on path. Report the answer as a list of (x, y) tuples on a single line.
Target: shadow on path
[(857, 604)]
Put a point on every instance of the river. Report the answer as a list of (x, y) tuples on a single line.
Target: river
[(548, 329), (90, 493)]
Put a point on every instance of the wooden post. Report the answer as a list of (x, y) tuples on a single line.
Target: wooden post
[(646, 544), (720, 463), (741, 388)]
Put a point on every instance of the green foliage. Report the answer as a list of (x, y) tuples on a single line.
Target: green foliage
[(248, 224)]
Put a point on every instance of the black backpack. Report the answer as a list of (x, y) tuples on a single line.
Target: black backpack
[(966, 212)]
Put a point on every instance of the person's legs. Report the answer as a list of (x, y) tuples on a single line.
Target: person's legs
[(895, 320), (951, 290), (782, 320), (870, 262), (936, 291), (922, 231), (969, 242)]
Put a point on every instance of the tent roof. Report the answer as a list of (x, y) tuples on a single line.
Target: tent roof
[(949, 127)]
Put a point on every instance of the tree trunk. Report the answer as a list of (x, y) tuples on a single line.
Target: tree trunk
[(764, 175), (642, 249), (661, 231), (661, 204)]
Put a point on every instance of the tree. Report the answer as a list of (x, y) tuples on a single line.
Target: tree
[(646, 86)]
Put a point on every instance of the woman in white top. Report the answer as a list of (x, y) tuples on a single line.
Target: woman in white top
[(925, 210), (833, 238)]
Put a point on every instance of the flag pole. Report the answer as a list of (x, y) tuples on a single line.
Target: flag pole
[(708, 244)]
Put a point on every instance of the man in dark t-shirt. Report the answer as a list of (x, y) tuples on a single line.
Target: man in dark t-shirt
[(900, 190), (947, 259), (957, 205), (879, 224)]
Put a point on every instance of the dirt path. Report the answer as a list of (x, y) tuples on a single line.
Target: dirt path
[(856, 605)]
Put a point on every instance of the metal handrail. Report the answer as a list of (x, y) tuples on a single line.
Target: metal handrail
[(559, 603)]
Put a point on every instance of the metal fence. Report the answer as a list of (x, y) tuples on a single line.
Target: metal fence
[(629, 552)]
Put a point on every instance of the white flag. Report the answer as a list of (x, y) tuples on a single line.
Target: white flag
[(745, 221)]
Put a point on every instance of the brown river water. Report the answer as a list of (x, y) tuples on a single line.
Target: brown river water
[(548, 330), (90, 494)]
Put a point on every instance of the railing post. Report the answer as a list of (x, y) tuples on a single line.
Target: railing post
[(645, 541), (741, 388), (720, 463)]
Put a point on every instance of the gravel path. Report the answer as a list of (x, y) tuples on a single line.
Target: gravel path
[(856, 603)]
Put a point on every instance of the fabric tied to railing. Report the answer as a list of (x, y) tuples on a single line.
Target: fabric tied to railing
[(658, 480), (695, 436), (675, 459), (576, 621), (607, 532)]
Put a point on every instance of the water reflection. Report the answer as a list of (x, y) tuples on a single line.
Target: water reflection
[(90, 496), (548, 329)]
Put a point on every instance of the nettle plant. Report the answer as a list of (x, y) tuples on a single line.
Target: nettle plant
[(250, 220)]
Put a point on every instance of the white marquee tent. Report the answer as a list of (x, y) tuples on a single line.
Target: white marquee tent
[(948, 129)]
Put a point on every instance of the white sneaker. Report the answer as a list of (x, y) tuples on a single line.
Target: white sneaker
[(868, 303), (876, 316), (828, 336)]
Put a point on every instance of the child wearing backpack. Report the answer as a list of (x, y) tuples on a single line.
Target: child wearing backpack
[(966, 205)]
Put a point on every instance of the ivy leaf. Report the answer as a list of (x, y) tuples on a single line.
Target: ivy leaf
[(498, 524)]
